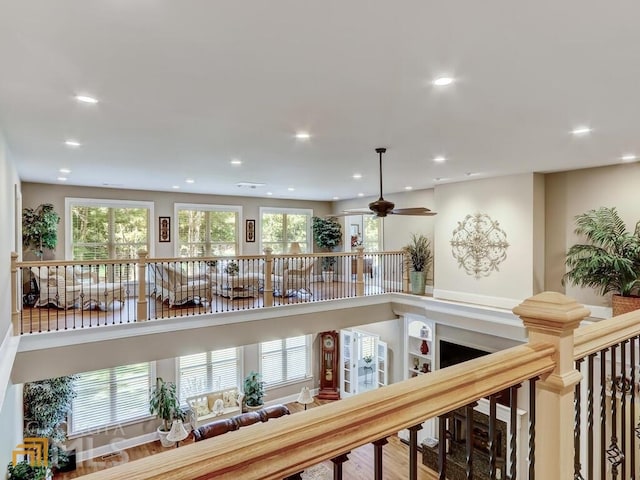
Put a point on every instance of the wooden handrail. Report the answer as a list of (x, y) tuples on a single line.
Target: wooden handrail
[(598, 336), (282, 447)]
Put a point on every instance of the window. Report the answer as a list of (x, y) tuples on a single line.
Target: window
[(107, 229), (285, 360), (111, 396), (372, 234), (281, 227), (208, 371), (208, 230)]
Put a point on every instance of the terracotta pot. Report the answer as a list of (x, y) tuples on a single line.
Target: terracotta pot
[(622, 304)]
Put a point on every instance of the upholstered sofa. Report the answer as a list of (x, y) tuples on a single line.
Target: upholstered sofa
[(178, 284), (72, 286), (216, 405)]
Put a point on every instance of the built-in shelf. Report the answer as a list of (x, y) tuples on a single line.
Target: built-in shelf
[(421, 355)]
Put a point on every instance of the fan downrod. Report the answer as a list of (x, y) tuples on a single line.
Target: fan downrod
[(381, 207)]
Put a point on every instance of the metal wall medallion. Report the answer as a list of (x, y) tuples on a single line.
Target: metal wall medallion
[(479, 245)]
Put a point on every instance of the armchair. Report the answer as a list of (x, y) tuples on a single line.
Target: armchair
[(177, 284)]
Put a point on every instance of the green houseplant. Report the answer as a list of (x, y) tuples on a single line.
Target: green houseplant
[(327, 233), (420, 256), (253, 390), (39, 229), (46, 406), (24, 471), (610, 261), (165, 404)]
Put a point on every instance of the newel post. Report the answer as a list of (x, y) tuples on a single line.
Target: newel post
[(268, 278), (15, 313), (406, 262), (142, 285), (360, 271), (551, 317)]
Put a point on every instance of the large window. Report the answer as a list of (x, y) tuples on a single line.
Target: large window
[(207, 230), (107, 229), (208, 371), (110, 397), (372, 233), (285, 360), (279, 228)]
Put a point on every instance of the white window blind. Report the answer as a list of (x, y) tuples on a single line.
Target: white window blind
[(111, 396), (284, 360), (208, 371)]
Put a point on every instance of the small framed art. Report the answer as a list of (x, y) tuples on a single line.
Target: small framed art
[(250, 231), (164, 229)]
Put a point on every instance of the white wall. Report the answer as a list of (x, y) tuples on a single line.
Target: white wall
[(507, 200)]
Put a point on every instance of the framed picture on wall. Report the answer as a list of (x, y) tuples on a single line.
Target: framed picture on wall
[(250, 231), (164, 229)]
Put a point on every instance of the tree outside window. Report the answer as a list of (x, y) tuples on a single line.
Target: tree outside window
[(207, 230), (279, 228)]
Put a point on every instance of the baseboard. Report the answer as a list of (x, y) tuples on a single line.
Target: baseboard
[(289, 398), (118, 445)]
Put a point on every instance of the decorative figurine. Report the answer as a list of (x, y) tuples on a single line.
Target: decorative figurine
[(424, 347), (425, 368)]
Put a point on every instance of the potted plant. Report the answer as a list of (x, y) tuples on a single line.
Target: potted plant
[(165, 404), (327, 233), (610, 262), (253, 391), (39, 229), (47, 404), (23, 470), (420, 255)]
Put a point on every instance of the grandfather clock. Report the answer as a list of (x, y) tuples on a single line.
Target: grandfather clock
[(329, 366)]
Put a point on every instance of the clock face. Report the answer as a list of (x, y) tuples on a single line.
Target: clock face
[(328, 342)]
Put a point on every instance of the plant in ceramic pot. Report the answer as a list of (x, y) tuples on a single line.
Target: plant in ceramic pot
[(420, 256), (165, 404), (253, 390), (610, 261), (327, 233)]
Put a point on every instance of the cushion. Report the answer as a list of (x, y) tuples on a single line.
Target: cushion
[(230, 398), (202, 407), (218, 407), (212, 397)]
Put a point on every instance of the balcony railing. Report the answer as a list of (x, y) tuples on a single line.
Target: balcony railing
[(543, 367), (62, 295)]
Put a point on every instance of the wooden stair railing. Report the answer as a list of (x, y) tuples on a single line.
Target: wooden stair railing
[(279, 449)]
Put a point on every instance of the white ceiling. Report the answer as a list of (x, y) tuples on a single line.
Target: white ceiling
[(185, 86)]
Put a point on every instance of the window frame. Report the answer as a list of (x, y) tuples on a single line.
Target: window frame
[(70, 202), (204, 207), (308, 351), (286, 211), (118, 423)]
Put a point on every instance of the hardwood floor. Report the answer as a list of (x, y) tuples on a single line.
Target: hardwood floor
[(358, 467)]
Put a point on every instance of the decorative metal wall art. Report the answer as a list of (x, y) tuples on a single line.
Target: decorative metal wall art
[(479, 245)]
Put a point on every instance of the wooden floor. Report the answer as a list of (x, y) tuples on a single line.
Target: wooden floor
[(358, 467), (47, 319)]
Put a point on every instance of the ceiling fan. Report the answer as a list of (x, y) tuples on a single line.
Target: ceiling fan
[(382, 207)]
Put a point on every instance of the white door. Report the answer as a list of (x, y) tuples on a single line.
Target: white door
[(347, 384)]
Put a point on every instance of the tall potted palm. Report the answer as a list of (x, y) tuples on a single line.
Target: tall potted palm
[(610, 261), (420, 256), (164, 402)]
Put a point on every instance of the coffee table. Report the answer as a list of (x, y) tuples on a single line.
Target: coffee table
[(236, 286)]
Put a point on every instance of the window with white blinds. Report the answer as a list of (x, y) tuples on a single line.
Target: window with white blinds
[(208, 371), (285, 360), (111, 396)]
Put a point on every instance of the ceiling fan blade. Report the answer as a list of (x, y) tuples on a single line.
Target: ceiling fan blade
[(422, 211)]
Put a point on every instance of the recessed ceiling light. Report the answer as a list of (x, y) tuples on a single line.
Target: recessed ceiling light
[(235, 161), (303, 135), (64, 170), (439, 159), (443, 81), (86, 99), (62, 179), (291, 189), (336, 198), (72, 143), (269, 193), (176, 187), (581, 130), (357, 176), (361, 194), (408, 187), (629, 157), (190, 180)]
